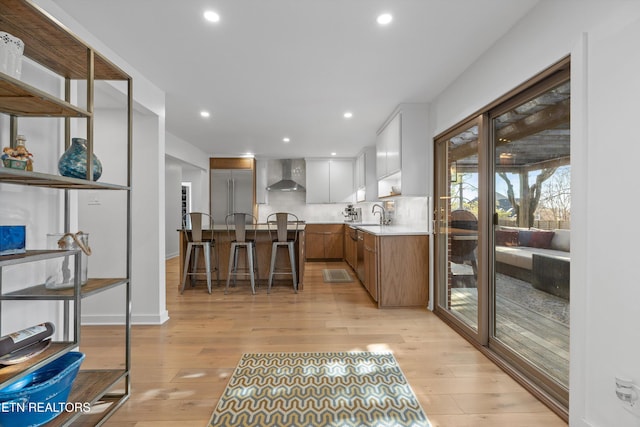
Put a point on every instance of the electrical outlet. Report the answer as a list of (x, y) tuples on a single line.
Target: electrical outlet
[(629, 394)]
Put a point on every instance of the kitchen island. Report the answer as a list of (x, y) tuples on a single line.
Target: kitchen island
[(263, 249)]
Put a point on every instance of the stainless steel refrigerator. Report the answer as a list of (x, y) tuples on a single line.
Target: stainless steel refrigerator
[(231, 191)]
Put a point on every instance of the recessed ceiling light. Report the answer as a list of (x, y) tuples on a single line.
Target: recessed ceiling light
[(384, 19), (249, 155), (205, 114), (285, 139), (334, 153), (211, 16), (348, 115)]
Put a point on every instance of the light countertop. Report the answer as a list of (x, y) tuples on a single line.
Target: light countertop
[(393, 230)]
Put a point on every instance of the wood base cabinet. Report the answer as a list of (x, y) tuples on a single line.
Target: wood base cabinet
[(350, 247), (397, 270), (324, 241), (371, 265)]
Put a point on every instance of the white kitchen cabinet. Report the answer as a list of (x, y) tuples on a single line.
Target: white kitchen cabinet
[(341, 181), (317, 181), (361, 190), (360, 171), (388, 146), (404, 149), (330, 181), (366, 179)]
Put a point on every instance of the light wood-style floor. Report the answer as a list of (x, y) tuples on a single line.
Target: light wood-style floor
[(179, 369)]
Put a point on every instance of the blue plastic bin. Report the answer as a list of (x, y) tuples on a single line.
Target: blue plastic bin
[(40, 396)]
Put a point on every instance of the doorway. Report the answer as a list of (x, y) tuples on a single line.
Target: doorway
[(503, 205)]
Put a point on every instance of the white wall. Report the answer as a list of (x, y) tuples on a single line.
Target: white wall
[(103, 215), (188, 153), (39, 209), (611, 341), (199, 180), (602, 38), (184, 162)]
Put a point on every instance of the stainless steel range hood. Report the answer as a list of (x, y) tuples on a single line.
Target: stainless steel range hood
[(287, 183)]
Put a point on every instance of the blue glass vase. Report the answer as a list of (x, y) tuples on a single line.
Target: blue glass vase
[(73, 162)]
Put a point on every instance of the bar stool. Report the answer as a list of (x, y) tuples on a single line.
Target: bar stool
[(282, 221), (239, 221), (192, 225)]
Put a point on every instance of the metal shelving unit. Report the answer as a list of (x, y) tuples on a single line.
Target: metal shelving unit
[(51, 45)]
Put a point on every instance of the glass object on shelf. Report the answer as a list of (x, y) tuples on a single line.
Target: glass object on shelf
[(60, 270), (11, 49), (73, 162)]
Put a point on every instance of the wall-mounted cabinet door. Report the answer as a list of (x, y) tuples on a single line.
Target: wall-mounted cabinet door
[(317, 181), (360, 171), (330, 181), (388, 145), (341, 181)]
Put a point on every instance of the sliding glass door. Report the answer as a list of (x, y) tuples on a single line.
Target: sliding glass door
[(532, 188), (457, 224), (502, 214)]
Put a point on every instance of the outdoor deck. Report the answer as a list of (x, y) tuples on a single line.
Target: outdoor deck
[(531, 322)]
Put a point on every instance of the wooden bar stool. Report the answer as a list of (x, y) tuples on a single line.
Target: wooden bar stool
[(282, 221), (192, 225), (239, 221)]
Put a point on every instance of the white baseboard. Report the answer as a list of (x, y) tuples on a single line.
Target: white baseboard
[(171, 255), (137, 319)]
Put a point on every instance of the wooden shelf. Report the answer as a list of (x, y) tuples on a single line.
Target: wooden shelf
[(40, 292), (31, 256), (20, 99), (49, 43), (37, 179), (10, 373), (89, 386)]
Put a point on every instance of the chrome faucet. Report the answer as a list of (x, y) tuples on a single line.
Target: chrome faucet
[(382, 212)]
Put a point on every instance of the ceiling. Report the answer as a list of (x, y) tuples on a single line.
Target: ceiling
[(271, 69)]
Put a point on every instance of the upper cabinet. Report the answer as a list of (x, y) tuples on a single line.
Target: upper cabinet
[(330, 181), (388, 146), (366, 179), (404, 153)]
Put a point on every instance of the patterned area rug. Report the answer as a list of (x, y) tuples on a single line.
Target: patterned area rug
[(318, 389), (339, 275)]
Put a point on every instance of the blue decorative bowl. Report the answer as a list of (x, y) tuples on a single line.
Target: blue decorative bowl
[(73, 162), (39, 397)]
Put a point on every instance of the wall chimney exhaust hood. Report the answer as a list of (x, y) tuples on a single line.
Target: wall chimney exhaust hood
[(287, 183)]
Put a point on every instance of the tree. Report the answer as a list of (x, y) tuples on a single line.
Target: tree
[(529, 195), (464, 194), (556, 194)]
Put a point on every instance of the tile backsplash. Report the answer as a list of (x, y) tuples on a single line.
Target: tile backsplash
[(408, 210)]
